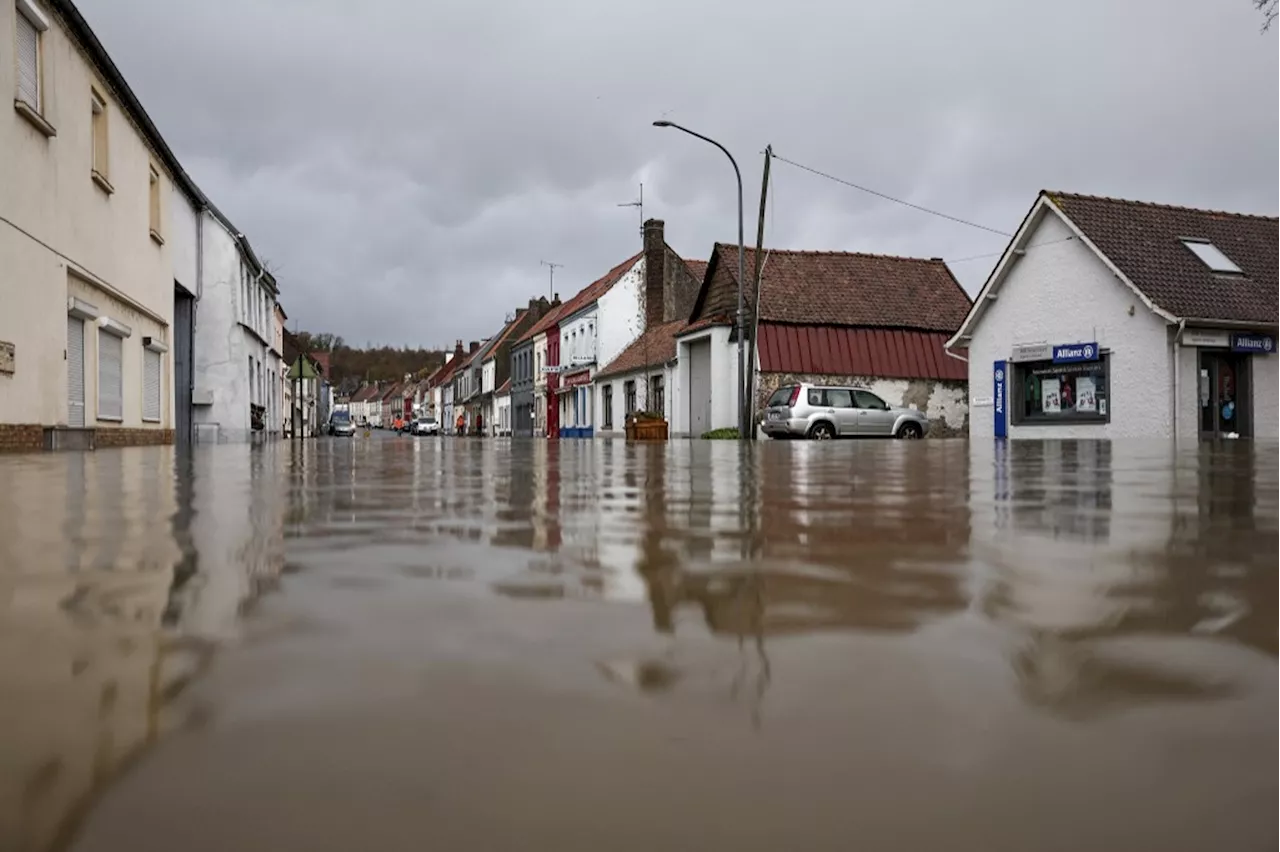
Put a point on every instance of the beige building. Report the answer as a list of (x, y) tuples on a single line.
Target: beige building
[(86, 183)]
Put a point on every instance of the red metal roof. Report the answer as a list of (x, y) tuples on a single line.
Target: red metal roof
[(841, 351)]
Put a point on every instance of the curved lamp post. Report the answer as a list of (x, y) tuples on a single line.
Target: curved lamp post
[(743, 425)]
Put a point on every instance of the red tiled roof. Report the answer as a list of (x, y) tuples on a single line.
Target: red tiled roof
[(365, 393), (490, 350), (548, 319), (656, 346), (847, 288), (857, 352), (599, 287), (504, 389), (1144, 241), (390, 392), (705, 322), (697, 268), (322, 361)]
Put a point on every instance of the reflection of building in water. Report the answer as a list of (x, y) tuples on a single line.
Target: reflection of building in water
[(1078, 543), (86, 560), (833, 541)]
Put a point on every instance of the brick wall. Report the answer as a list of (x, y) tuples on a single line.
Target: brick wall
[(133, 437), (945, 403), (29, 437), (21, 437)]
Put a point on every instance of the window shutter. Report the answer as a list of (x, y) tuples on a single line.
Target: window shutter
[(28, 62), (75, 372), (150, 385), (110, 375)]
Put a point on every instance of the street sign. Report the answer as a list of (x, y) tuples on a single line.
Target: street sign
[(1000, 374), (1069, 353), (1263, 344)]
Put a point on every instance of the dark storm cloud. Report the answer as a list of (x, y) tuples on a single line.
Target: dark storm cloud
[(408, 164)]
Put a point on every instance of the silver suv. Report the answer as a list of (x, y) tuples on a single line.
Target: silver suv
[(823, 413)]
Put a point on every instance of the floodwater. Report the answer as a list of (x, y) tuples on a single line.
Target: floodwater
[(396, 644)]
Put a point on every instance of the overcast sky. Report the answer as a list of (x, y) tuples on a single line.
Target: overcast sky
[(405, 165)]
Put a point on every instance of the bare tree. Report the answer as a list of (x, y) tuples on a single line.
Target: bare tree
[(1268, 10)]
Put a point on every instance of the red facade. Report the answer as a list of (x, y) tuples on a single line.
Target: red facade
[(841, 351)]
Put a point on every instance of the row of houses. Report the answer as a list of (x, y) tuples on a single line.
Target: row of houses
[(1103, 318), (134, 310), (654, 334)]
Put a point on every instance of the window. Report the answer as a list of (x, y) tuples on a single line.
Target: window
[(110, 376), (252, 400), (656, 402), (1044, 392), (155, 205), (1211, 256), (29, 48), (99, 169), (151, 386), (840, 398), (781, 397), (868, 400), (628, 397), (606, 403)]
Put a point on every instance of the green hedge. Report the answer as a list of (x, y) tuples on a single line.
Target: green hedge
[(730, 434)]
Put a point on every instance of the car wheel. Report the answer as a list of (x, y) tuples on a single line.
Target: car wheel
[(822, 432), (910, 432)]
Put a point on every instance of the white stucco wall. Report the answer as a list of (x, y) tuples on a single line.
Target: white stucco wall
[(724, 371), (1265, 370), (47, 191), (182, 240), (232, 325), (1061, 292), (578, 337), (641, 378), (620, 315), (490, 373)]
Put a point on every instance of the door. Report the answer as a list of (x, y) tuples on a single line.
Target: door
[(75, 372), (874, 416), (699, 387), (183, 364), (841, 409), (1224, 395)]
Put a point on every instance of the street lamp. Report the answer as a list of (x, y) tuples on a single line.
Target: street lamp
[(743, 425)]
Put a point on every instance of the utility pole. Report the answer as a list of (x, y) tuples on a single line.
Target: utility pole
[(640, 204), (551, 267), (755, 303)]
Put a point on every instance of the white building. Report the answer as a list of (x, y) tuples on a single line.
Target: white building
[(502, 410), (87, 289), (1117, 319), (235, 369)]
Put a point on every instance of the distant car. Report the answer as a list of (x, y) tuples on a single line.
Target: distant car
[(425, 426), (340, 424), (822, 413)]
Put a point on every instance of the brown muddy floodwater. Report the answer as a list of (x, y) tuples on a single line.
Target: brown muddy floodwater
[(435, 644)]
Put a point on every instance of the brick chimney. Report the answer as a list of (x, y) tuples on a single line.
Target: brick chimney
[(475, 346), (655, 265)]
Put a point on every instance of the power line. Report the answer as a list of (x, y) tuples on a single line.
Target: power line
[(998, 253), (886, 197)]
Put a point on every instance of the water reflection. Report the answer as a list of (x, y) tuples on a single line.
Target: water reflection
[(1096, 580), (118, 572)]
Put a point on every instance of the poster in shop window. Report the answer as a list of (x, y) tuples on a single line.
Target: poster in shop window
[(1050, 402), (1086, 396)]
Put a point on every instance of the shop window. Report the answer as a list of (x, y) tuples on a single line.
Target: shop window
[(1045, 393), (629, 397), (606, 401)]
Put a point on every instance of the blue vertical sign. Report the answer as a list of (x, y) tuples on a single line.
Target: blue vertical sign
[(1001, 401)]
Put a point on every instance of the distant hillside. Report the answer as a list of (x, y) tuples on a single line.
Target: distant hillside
[(350, 366)]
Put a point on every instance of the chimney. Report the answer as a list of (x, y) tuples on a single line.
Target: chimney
[(655, 265), (475, 345), (457, 349)]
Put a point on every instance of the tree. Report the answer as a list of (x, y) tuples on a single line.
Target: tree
[(1269, 10)]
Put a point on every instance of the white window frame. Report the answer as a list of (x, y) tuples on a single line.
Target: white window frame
[(151, 357), (37, 18), (109, 328)]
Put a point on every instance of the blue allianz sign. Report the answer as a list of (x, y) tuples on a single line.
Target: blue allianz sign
[(1263, 344), (1069, 353), (1000, 373)]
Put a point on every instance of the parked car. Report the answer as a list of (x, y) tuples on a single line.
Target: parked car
[(822, 413), (340, 424), (425, 426)]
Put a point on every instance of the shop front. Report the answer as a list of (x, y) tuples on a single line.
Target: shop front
[(576, 405), (1230, 369)]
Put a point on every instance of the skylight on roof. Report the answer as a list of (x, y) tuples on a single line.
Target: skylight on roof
[(1211, 256)]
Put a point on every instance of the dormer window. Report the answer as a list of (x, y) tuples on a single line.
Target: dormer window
[(1212, 256)]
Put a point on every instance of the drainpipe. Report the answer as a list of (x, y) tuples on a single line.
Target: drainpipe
[(1177, 378), (954, 355)]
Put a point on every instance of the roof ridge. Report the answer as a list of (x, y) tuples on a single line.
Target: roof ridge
[(836, 253), (1054, 194)]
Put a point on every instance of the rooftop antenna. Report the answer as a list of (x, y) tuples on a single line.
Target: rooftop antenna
[(552, 267), (639, 202)]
